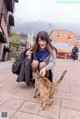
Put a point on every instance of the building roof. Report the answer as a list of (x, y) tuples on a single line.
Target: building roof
[(62, 30)]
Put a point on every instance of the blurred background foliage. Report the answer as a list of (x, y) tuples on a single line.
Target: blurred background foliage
[(15, 41)]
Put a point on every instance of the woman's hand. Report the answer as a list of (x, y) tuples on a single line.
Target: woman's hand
[(43, 72), (29, 52)]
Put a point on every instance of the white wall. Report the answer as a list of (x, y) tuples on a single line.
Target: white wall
[(62, 46)]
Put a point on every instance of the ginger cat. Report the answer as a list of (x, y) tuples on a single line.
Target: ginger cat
[(45, 88)]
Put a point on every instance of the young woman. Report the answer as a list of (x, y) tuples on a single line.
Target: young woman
[(43, 54)]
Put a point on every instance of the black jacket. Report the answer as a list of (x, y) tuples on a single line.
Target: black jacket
[(22, 67), (25, 71), (75, 50)]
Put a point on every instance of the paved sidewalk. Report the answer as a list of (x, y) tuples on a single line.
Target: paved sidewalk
[(4, 65), (17, 99)]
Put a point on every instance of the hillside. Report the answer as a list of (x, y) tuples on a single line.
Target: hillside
[(41, 25)]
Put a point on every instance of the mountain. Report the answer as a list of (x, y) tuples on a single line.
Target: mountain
[(47, 26)]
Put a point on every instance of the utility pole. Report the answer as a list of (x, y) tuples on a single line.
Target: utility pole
[(50, 26)]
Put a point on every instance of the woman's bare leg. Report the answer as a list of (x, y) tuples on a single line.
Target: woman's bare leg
[(35, 65), (42, 65)]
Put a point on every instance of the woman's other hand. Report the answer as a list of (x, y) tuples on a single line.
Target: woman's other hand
[(43, 72), (29, 52)]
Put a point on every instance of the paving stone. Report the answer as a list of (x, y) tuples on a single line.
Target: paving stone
[(70, 80), (52, 111), (71, 104), (30, 107), (69, 114), (63, 88), (5, 96), (11, 106), (22, 115), (27, 95), (75, 90), (69, 96), (3, 83)]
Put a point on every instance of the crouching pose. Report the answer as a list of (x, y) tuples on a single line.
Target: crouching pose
[(43, 54)]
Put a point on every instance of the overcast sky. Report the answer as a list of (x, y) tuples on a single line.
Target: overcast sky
[(47, 10)]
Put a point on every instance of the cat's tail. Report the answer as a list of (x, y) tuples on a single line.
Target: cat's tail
[(60, 79)]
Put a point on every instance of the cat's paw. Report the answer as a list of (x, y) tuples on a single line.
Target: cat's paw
[(49, 103), (38, 94), (34, 96), (41, 108)]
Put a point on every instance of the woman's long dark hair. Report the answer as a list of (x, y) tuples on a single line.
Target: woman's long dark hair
[(43, 35)]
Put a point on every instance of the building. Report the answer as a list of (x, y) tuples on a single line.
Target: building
[(6, 21), (30, 40), (64, 36), (63, 40), (22, 36)]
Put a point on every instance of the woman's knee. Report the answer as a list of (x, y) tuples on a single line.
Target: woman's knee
[(42, 65), (34, 65)]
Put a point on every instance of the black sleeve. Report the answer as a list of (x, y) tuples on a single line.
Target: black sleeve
[(24, 52)]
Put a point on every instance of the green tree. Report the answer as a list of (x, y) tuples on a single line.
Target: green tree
[(14, 40)]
